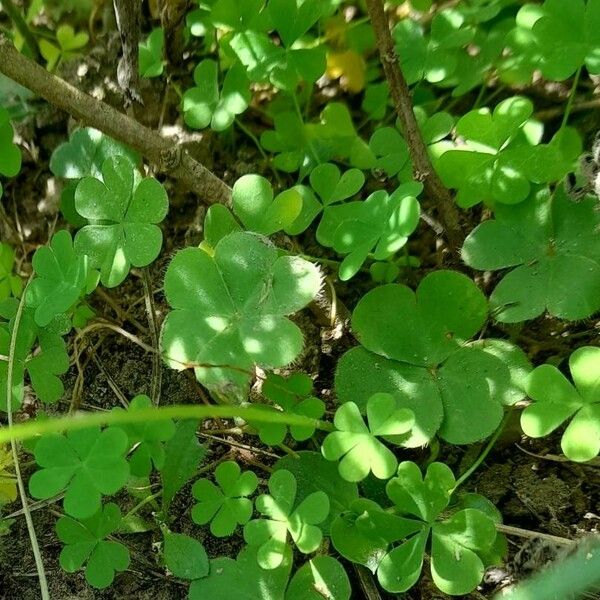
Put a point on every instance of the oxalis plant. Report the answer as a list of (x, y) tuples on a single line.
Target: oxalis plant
[(399, 269)]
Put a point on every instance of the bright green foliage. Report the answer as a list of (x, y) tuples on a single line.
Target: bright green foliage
[(282, 515), (357, 445), (554, 246), (227, 505), (243, 578), (388, 152), (85, 153), (68, 45), (257, 208), (321, 577), (183, 454), (563, 36), (434, 58), (10, 284), (151, 54), (414, 345), (238, 302), (86, 464), (330, 187), (85, 543), (457, 542), (292, 395), (61, 278), (557, 400), (378, 226), (499, 157), (287, 65), (123, 211), (147, 439), (205, 104), (10, 155), (314, 473), (185, 557), (43, 366), (218, 222), (300, 146)]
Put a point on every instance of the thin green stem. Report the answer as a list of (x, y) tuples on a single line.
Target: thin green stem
[(31, 429), (299, 113), (570, 100), (142, 503), (484, 453), (39, 563), (261, 150)]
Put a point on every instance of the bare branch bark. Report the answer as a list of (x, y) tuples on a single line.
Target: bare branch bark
[(161, 152), (422, 168)]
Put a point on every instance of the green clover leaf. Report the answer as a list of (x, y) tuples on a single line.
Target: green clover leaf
[(567, 35), (68, 46), (10, 284), (331, 187), (489, 166), (61, 278), (85, 543), (557, 400), (87, 463), (10, 155), (553, 245), (292, 395), (458, 543), (243, 578), (238, 301), (85, 153), (380, 225), (415, 346), (433, 58), (357, 445), (257, 208), (204, 105), (320, 577), (123, 210), (151, 54), (146, 438), (227, 505), (43, 366), (283, 517), (238, 15)]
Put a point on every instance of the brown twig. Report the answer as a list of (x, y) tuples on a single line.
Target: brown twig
[(167, 156), (422, 168)]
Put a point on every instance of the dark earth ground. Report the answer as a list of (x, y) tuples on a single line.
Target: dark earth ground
[(536, 493)]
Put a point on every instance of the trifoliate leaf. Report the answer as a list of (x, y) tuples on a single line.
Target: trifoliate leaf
[(123, 211), (291, 395), (225, 505), (553, 245), (414, 347), (379, 225), (146, 438), (238, 303), (68, 45), (61, 277), (85, 543), (205, 105), (85, 153), (557, 400), (357, 445), (258, 209), (283, 515), (86, 463), (43, 366)]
